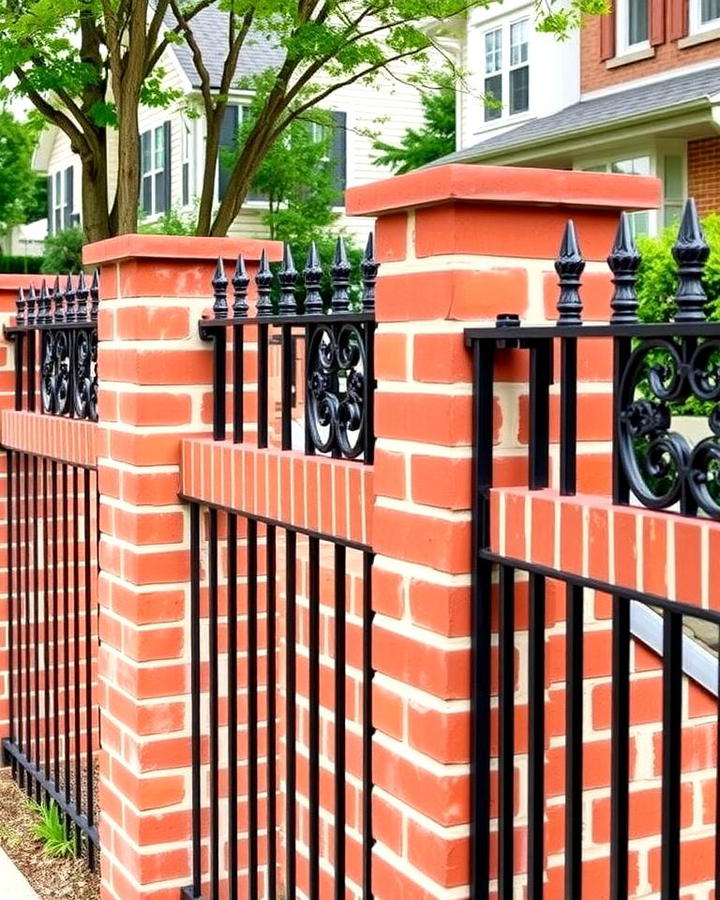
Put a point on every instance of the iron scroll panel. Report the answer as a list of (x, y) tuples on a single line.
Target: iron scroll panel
[(68, 383)]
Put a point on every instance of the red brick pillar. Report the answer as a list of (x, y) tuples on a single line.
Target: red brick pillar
[(457, 244), (154, 390)]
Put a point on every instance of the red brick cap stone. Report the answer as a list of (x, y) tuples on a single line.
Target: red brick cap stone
[(163, 246), (504, 184)]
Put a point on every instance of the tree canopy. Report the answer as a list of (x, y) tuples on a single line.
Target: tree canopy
[(21, 190), (88, 65)]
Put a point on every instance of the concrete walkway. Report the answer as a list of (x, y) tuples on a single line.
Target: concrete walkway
[(13, 884)]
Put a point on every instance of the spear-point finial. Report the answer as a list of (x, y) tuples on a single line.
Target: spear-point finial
[(369, 269), (70, 301), (31, 306), (313, 273), (287, 276), (690, 251), (240, 282), (81, 292), (569, 265), (94, 296), (43, 306), (263, 280), (55, 298), (340, 274), (21, 304), (623, 261), (220, 286)]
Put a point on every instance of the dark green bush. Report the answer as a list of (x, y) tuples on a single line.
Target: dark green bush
[(17, 265), (657, 278), (63, 252)]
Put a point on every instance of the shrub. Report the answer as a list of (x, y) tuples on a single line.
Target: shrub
[(63, 252), (657, 275), (15, 265), (174, 221)]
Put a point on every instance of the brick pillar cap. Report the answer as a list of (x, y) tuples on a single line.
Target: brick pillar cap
[(504, 184), (180, 248), (10, 282)]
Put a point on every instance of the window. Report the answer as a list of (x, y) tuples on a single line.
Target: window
[(187, 134), (507, 73), (61, 200), (704, 15), (673, 188), (640, 222), (633, 25), (155, 170)]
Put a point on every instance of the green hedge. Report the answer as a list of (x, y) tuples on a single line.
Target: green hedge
[(17, 265)]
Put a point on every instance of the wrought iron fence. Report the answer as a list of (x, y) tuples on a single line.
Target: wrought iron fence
[(658, 370), (55, 339), (338, 345)]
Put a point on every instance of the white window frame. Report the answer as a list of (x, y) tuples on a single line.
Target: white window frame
[(506, 67), (187, 147), (696, 25), (58, 201), (153, 171), (622, 23)]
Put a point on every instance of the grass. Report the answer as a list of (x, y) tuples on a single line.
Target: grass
[(51, 830)]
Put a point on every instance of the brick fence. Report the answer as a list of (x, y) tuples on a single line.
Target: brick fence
[(457, 245)]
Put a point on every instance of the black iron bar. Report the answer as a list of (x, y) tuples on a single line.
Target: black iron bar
[(20, 507), (574, 616), (314, 717), (27, 618), (539, 415), (19, 344), (642, 330), (369, 392), (506, 713), (46, 615), (622, 347), (367, 725), (271, 606), (11, 602), (213, 689), (262, 397), (620, 749), (671, 753), (76, 649), (195, 664), (66, 633), (340, 723), (286, 380), (208, 326), (238, 386), (232, 664), (536, 737), (56, 625), (89, 644), (568, 415), (307, 369), (219, 351), (252, 706), (290, 705), (31, 376), (36, 617)]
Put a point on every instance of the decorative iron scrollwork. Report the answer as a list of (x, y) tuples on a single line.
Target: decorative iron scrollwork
[(661, 465), (336, 380)]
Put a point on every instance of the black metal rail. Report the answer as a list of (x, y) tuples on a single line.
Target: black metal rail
[(55, 339), (255, 572), (52, 638), (338, 371)]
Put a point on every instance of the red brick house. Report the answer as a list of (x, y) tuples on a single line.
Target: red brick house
[(636, 91)]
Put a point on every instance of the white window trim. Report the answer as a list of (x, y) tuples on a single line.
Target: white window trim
[(153, 213), (696, 26), (623, 47), (505, 117), (58, 195), (187, 156)]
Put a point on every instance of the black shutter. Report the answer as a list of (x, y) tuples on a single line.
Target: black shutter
[(228, 141), (69, 197), (167, 165), (50, 204), (338, 153)]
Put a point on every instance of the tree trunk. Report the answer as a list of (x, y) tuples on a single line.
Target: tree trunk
[(213, 124), (239, 185), (95, 203), (128, 183)]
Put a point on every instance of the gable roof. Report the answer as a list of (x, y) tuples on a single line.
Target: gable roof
[(614, 109), (259, 53)]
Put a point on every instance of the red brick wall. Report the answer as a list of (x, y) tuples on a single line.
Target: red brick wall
[(704, 174), (594, 74)]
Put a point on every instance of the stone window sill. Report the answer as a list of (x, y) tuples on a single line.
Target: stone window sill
[(627, 58), (702, 37)]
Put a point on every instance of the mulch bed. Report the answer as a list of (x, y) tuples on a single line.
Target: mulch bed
[(52, 878)]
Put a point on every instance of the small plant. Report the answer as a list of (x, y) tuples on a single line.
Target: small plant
[(63, 251), (51, 829)]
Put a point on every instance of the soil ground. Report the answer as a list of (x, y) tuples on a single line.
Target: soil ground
[(51, 878)]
